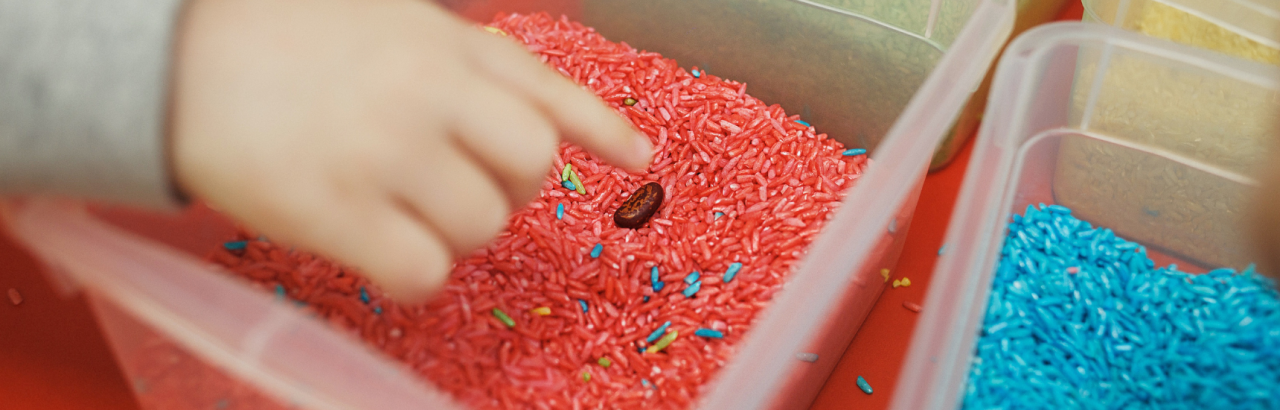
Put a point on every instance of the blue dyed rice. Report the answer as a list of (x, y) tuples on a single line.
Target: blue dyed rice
[(692, 277), (864, 386), (657, 333), (732, 271), (655, 280), (1120, 333), (709, 333), (692, 289)]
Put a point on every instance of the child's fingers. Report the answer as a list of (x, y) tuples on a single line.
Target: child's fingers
[(454, 196), (367, 229), (397, 251), (579, 115), (511, 139)]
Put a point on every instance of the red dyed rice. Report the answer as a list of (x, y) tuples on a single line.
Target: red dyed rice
[(719, 150)]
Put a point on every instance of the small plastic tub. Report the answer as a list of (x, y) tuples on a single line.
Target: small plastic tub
[(887, 88), (1042, 142)]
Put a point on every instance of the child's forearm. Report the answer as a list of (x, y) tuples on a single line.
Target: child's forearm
[(83, 91)]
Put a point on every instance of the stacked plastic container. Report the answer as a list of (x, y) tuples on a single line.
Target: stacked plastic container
[(1156, 140), (896, 75)]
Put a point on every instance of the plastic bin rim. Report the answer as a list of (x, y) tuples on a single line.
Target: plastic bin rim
[(1036, 43), (926, 38)]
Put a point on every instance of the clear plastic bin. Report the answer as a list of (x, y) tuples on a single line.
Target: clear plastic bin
[(893, 91), (1042, 142)]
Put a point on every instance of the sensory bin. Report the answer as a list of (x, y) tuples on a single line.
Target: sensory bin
[(1133, 287), (1080, 318), (896, 95), (566, 309)]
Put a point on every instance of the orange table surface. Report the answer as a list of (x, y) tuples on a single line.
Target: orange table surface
[(53, 356)]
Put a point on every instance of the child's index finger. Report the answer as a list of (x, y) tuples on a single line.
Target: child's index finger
[(579, 115)]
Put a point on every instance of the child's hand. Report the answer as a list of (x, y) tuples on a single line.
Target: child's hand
[(386, 133)]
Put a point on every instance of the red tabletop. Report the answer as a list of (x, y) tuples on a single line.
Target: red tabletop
[(53, 356)]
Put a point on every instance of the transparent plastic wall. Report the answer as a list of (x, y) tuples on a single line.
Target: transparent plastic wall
[(1031, 13), (848, 67), (1045, 140)]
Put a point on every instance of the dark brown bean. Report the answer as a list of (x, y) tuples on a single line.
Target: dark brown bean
[(639, 207)]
